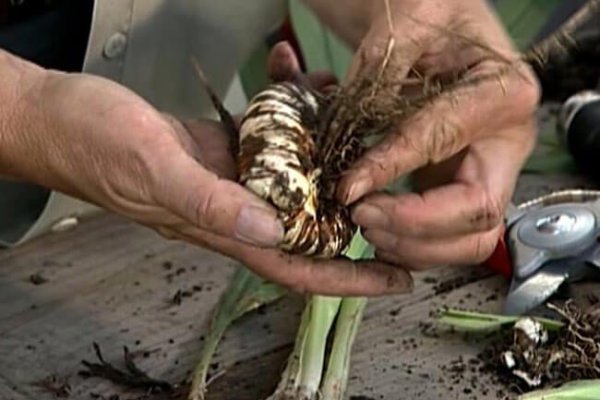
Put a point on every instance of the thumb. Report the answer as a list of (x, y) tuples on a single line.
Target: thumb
[(218, 205)]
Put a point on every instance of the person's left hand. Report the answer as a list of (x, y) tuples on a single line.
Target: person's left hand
[(465, 150)]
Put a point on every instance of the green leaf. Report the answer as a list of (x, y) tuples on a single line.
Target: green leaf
[(523, 19), (246, 292), (322, 50), (359, 248), (480, 322), (576, 390)]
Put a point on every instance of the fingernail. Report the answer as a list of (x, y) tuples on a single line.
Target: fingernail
[(258, 226), (358, 189), (369, 216)]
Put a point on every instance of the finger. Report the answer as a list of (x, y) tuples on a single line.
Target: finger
[(442, 129), (340, 277), (283, 63), (450, 210), (474, 202), (217, 205), (211, 147), (417, 254)]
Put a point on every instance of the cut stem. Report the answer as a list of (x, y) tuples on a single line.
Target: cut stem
[(338, 369), (290, 379), (303, 376), (323, 311)]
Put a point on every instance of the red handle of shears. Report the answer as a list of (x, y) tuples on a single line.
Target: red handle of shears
[(500, 261)]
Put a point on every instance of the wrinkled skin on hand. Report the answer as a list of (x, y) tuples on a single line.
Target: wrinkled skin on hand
[(98, 141), (463, 151)]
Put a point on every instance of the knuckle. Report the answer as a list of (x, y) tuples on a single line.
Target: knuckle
[(411, 142), (404, 223), (443, 141), (488, 214), (299, 286), (300, 283), (525, 93), (530, 92), (483, 248), (375, 51), (203, 206), (381, 166)]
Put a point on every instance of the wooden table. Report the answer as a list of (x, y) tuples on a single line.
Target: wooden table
[(110, 281)]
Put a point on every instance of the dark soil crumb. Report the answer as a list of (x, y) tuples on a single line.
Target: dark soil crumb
[(395, 312), (38, 279), (178, 297), (361, 397), (58, 387), (492, 297)]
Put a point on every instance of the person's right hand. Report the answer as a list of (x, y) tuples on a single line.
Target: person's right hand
[(96, 140)]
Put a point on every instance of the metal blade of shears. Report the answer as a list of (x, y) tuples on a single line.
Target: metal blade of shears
[(529, 293), (524, 295)]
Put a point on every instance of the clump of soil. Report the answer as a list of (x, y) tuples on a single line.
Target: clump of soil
[(38, 279), (530, 357)]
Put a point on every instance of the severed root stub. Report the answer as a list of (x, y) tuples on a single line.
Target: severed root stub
[(130, 377), (536, 358)]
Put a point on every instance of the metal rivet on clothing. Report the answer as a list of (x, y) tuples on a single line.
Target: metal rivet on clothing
[(115, 45)]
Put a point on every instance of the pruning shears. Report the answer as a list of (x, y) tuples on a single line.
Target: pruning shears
[(547, 242)]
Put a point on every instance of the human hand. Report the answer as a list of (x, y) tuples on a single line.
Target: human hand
[(465, 148), (96, 140)]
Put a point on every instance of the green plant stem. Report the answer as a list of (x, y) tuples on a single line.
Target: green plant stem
[(576, 390), (246, 292), (481, 322), (338, 369), (290, 379), (323, 311), (302, 375)]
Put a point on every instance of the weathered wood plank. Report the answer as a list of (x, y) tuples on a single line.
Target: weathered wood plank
[(8, 391), (110, 281)]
